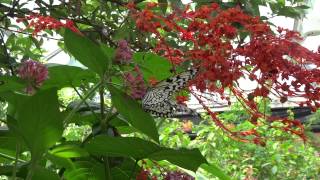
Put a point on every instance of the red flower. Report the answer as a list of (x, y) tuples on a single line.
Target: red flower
[(143, 175), (40, 23), (153, 81), (266, 58), (181, 99)]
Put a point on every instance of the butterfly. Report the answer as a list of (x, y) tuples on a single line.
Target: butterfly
[(158, 100)]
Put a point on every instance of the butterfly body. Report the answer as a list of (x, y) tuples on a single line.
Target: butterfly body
[(158, 100)]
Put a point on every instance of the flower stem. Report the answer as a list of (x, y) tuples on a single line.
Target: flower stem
[(69, 116), (14, 171)]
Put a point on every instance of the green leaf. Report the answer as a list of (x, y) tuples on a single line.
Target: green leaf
[(186, 158), (85, 170), (60, 162), (123, 32), (87, 52), (134, 113), (7, 141), (153, 65), (69, 151), (274, 169), (163, 5), (42, 173), (290, 12), (118, 173), (215, 170), (109, 52), (67, 76), (139, 149), (22, 169), (6, 1), (303, 7), (37, 120), (121, 146), (8, 146), (253, 5), (281, 3), (78, 174), (10, 83), (177, 4)]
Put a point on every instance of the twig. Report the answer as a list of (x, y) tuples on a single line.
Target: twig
[(21, 32), (6, 53), (73, 111), (85, 102)]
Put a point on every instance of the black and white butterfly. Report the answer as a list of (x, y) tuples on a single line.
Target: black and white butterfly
[(158, 100)]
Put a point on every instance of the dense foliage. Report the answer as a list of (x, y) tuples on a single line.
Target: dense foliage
[(285, 157), (101, 131)]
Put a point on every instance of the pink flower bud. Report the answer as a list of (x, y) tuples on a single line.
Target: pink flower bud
[(136, 86), (34, 73), (123, 53)]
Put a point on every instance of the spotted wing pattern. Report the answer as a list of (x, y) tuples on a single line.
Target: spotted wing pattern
[(158, 100)]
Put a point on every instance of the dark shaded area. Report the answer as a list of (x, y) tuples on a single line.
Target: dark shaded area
[(303, 114)]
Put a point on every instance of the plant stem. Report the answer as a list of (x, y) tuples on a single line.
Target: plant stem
[(31, 170), (14, 171), (85, 102), (134, 167), (69, 116), (11, 158), (107, 168), (104, 128), (102, 107)]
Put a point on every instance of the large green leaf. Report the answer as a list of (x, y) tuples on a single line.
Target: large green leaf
[(42, 173), (153, 65), (8, 146), (60, 162), (121, 146), (133, 113), (69, 151), (87, 52), (215, 170), (78, 174), (64, 75), (186, 158), (85, 169), (7, 140), (118, 173), (139, 149), (10, 83), (36, 119)]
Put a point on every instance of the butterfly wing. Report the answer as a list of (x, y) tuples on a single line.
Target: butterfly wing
[(158, 101)]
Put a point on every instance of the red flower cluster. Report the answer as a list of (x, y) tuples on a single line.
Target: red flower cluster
[(34, 73), (181, 99), (145, 174), (135, 83), (218, 48), (40, 23)]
